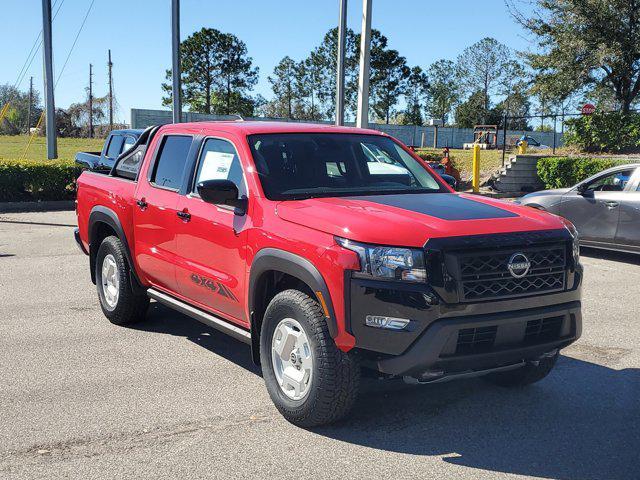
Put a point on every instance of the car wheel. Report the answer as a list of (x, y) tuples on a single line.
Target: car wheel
[(520, 377), (118, 301), (310, 381)]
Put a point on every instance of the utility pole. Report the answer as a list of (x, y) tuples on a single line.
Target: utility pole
[(362, 119), (342, 33), (175, 64), (90, 101), (30, 104), (52, 145), (110, 92)]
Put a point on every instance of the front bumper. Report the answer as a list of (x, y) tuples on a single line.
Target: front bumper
[(438, 351), (449, 339)]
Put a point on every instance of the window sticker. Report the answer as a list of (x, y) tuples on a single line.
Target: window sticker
[(216, 166)]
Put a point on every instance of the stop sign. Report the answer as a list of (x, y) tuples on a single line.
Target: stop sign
[(588, 109)]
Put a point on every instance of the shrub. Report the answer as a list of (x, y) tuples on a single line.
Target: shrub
[(604, 132), (561, 172), (41, 180)]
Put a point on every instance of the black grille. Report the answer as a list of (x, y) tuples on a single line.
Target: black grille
[(543, 330), (485, 275), (476, 340)]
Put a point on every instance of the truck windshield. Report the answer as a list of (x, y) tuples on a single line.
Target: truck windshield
[(304, 165)]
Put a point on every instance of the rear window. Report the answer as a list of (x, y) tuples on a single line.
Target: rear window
[(129, 166), (170, 161), (115, 146)]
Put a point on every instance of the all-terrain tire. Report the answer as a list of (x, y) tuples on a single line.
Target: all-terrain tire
[(333, 387), (523, 376), (130, 307)]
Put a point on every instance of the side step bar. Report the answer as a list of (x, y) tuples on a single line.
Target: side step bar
[(202, 316)]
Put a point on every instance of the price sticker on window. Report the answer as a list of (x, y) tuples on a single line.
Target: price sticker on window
[(216, 166)]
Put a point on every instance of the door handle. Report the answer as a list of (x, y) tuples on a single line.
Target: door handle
[(142, 204), (184, 215), (611, 204)]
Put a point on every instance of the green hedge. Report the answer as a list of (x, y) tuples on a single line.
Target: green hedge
[(41, 180), (561, 172), (604, 132)]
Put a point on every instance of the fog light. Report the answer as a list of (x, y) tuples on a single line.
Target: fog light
[(390, 323)]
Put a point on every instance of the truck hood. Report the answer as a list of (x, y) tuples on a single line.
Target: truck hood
[(412, 219)]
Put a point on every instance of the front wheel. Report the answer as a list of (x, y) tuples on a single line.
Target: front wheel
[(310, 381)]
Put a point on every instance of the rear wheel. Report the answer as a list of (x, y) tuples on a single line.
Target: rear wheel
[(310, 380), (520, 377), (118, 301)]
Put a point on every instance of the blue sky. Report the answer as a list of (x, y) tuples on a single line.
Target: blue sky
[(138, 34)]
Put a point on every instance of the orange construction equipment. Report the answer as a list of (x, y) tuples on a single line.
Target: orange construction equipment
[(449, 169)]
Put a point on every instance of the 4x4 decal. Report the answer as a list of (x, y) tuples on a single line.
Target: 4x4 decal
[(212, 285)]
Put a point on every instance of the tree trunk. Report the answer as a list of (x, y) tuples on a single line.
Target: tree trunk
[(207, 102)]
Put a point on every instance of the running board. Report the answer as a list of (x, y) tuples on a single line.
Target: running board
[(202, 316)]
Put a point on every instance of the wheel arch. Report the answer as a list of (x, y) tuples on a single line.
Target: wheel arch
[(102, 222), (269, 262)]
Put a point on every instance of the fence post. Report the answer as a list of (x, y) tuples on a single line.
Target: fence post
[(423, 139), (475, 182), (555, 119), (435, 136)]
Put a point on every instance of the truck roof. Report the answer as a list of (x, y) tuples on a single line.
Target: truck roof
[(260, 127), (133, 131)]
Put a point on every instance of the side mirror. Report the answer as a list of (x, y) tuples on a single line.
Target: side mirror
[(222, 192), (582, 188)]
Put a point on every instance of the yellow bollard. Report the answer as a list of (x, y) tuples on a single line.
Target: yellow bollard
[(475, 182)]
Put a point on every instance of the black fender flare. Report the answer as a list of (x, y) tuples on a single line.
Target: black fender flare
[(296, 266), (101, 214)]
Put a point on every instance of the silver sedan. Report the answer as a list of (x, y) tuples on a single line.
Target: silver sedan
[(605, 208)]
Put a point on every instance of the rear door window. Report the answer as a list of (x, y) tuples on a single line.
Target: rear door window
[(170, 161)]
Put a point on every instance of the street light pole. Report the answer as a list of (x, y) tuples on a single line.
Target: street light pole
[(175, 66), (362, 119), (342, 34), (52, 146)]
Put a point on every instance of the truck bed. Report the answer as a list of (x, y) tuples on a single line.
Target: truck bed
[(96, 190)]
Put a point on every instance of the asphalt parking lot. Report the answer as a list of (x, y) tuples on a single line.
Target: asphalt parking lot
[(171, 398)]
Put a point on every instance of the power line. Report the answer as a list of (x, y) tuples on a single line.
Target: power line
[(84, 20)]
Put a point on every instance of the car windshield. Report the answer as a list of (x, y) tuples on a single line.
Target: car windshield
[(304, 165)]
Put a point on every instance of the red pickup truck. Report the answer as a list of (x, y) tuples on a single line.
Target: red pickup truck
[(330, 250)]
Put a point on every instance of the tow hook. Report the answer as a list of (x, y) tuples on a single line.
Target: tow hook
[(549, 354)]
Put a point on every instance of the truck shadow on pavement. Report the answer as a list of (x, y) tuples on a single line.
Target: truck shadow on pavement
[(161, 319), (580, 423)]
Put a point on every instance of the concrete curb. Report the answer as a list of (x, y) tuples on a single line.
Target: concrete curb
[(46, 206)]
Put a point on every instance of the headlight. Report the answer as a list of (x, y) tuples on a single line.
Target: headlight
[(394, 263), (576, 240)]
